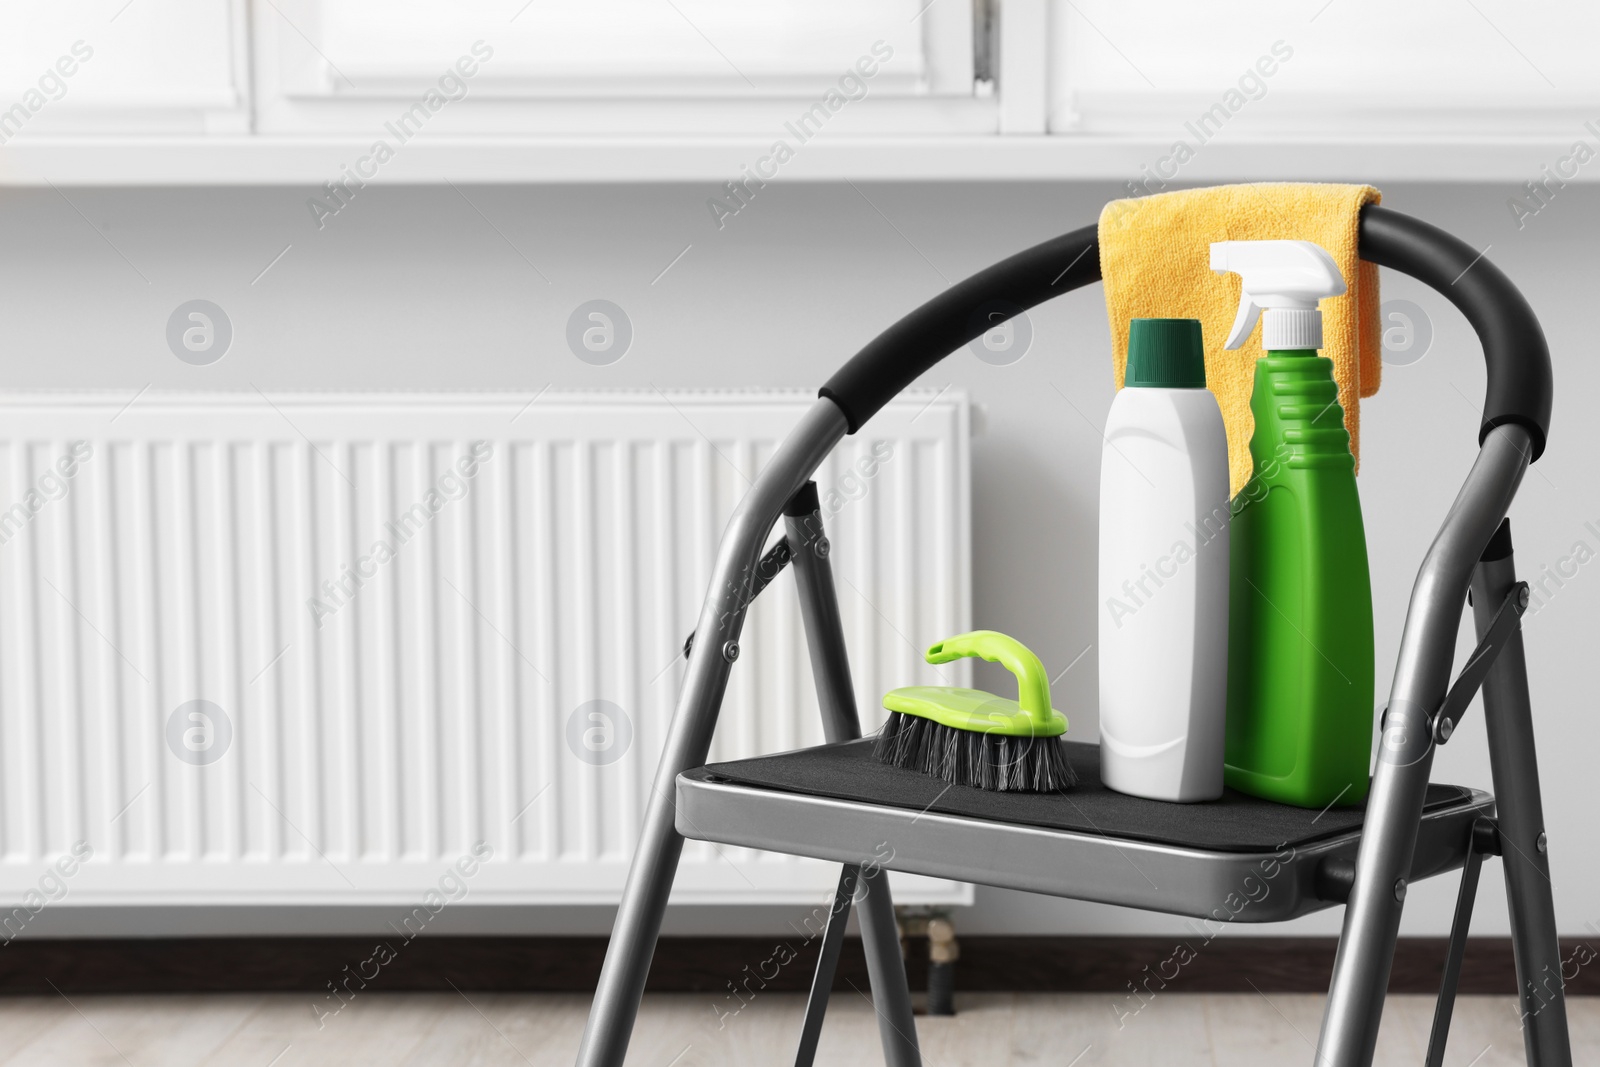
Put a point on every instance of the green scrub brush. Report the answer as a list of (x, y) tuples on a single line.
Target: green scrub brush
[(975, 738)]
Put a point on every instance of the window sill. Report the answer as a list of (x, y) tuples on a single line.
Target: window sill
[(267, 160)]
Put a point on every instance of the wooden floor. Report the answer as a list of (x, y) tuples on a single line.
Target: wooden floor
[(681, 1030)]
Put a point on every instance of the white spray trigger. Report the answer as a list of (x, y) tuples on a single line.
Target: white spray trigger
[(1278, 276), (1244, 322)]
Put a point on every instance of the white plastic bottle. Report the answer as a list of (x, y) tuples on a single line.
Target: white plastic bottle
[(1164, 572)]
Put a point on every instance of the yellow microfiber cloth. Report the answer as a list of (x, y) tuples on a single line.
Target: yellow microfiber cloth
[(1155, 259)]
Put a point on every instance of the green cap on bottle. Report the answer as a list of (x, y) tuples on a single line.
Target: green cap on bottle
[(1165, 354)]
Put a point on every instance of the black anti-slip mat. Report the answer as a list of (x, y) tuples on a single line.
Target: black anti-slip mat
[(1236, 823)]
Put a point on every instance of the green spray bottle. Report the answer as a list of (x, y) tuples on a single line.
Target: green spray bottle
[(1300, 641)]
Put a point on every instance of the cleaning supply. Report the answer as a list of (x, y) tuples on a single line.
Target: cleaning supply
[(970, 737), (1164, 572), (1300, 609), (1145, 277)]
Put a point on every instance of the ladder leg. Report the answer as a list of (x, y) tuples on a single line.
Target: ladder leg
[(1405, 753), (1444, 1008), (827, 965), (819, 610), (830, 665), (655, 862), (1524, 849), (886, 968)]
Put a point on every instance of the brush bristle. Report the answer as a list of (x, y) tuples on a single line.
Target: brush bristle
[(985, 761)]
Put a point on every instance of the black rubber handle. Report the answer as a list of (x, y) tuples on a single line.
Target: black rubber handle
[(1520, 383), (1519, 386)]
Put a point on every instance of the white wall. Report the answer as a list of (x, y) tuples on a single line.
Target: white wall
[(413, 288)]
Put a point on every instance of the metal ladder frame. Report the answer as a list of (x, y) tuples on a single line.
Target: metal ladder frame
[(1411, 726), (1472, 548)]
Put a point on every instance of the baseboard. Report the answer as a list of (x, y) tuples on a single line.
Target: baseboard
[(712, 964)]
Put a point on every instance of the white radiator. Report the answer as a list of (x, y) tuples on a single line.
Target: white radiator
[(316, 648)]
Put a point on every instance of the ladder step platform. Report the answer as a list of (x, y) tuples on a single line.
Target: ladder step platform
[(1237, 859)]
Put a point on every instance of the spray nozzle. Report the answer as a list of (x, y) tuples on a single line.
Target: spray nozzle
[(1286, 279)]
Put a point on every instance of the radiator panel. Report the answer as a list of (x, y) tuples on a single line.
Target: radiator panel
[(383, 712)]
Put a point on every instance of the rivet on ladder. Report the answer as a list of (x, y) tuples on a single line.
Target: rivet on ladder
[(1543, 843), (730, 651), (1400, 890)]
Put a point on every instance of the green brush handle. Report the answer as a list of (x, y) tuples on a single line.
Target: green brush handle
[(1033, 684)]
